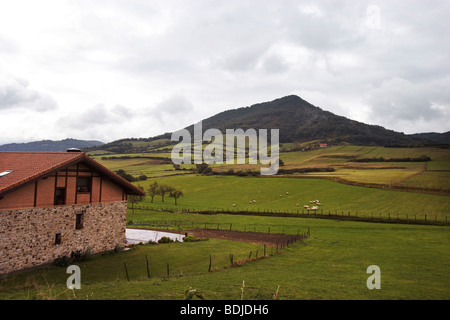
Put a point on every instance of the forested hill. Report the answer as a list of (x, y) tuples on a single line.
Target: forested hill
[(300, 121), (297, 121), (49, 145)]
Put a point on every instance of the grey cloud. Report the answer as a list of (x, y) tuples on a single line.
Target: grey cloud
[(400, 99), (173, 105), (15, 93), (96, 116)]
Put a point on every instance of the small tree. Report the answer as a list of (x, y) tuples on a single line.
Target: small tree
[(132, 198), (163, 189), (176, 194), (153, 190)]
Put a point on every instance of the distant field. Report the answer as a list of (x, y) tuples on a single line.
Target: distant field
[(434, 174), (217, 193)]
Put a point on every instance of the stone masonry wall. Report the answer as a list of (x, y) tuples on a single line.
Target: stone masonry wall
[(27, 236)]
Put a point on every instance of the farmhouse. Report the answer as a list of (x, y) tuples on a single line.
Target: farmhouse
[(53, 203)]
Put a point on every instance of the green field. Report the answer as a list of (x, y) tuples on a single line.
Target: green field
[(331, 264), (340, 158), (221, 192)]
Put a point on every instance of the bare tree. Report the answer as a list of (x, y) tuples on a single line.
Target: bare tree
[(153, 190), (176, 194)]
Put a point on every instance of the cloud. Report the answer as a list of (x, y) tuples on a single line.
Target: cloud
[(160, 66), (15, 93), (398, 100)]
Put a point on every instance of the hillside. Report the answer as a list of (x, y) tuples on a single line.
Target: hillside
[(300, 121), (440, 138), (49, 145), (297, 120)]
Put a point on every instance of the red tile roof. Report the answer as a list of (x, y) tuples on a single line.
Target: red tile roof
[(29, 166)]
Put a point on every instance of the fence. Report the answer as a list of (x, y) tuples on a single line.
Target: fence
[(272, 244), (388, 217)]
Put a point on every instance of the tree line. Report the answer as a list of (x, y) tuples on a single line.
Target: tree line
[(156, 189)]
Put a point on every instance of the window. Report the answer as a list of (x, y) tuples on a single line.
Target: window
[(4, 173), (84, 184), (58, 238), (79, 220), (60, 196)]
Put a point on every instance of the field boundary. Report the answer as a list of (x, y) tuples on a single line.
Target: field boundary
[(393, 187), (347, 216)]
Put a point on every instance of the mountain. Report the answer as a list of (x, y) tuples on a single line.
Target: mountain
[(49, 145), (300, 121), (297, 121), (440, 138)]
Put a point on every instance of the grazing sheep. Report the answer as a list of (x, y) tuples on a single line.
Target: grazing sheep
[(297, 204), (254, 201), (234, 204), (306, 207), (287, 192), (314, 208)]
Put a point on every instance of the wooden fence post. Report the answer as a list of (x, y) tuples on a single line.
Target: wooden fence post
[(209, 269), (148, 270), (126, 271)]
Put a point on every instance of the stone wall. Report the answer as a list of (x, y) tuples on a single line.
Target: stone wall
[(27, 236)]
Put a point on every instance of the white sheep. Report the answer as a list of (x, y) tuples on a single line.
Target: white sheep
[(297, 204), (306, 207), (234, 204), (254, 201), (314, 208), (287, 192)]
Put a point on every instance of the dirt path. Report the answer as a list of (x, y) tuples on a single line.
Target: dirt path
[(270, 239)]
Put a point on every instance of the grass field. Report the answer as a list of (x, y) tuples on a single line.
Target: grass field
[(331, 264), (341, 158), (221, 192)]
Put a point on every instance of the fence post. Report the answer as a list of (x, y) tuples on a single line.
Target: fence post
[(126, 271), (148, 271), (209, 269)]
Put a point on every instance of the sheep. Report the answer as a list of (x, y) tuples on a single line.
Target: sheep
[(254, 201), (234, 204), (314, 208), (287, 192), (297, 204), (306, 207)]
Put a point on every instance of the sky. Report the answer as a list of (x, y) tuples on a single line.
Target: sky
[(109, 69)]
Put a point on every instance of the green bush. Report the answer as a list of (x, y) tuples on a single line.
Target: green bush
[(62, 261), (165, 240)]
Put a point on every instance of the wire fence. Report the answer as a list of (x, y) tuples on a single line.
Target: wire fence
[(384, 217)]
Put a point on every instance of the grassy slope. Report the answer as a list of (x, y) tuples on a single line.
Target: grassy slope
[(217, 192)]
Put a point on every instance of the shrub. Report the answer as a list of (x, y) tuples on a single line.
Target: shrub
[(165, 240), (62, 261)]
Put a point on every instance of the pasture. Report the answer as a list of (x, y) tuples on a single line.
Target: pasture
[(331, 264)]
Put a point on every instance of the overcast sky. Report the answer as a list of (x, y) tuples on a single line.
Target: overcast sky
[(106, 70)]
